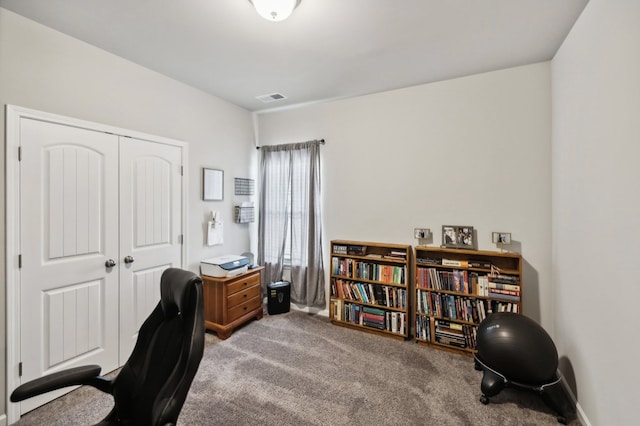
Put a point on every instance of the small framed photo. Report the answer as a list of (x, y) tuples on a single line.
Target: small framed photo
[(212, 184), (501, 237), (456, 236), (465, 237), (421, 233), (449, 236)]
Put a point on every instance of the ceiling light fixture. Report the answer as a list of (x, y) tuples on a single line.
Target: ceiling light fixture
[(275, 10)]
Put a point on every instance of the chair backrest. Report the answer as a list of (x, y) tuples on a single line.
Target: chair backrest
[(153, 384)]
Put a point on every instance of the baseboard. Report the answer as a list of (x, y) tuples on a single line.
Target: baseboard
[(582, 417), (3, 420), (307, 309), (303, 308)]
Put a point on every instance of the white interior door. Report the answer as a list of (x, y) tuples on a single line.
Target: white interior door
[(150, 229), (68, 305)]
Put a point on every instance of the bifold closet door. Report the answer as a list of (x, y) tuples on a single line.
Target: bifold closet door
[(150, 229), (68, 293), (100, 220)]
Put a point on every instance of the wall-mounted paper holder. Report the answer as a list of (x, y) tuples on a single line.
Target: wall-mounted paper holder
[(244, 214), (215, 232)]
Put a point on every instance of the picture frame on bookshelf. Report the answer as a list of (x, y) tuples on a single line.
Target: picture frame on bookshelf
[(457, 236), (465, 237), (501, 237), (449, 236)]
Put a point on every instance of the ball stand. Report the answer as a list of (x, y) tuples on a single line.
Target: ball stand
[(551, 393)]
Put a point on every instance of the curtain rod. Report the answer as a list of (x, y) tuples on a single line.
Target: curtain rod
[(321, 143)]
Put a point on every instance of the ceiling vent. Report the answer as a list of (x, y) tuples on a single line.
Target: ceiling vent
[(271, 98)]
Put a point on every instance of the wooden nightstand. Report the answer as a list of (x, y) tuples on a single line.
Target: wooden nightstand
[(231, 302)]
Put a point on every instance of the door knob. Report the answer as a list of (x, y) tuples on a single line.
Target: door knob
[(129, 259), (110, 263)]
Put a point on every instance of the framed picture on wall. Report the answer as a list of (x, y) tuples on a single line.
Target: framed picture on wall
[(212, 184)]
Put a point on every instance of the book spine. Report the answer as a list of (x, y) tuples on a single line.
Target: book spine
[(502, 291), (501, 286), (504, 279), (504, 297), (480, 264)]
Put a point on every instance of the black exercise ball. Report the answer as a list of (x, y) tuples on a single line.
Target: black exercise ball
[(518, 348)]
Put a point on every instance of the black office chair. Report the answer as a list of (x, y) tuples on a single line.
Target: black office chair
[(153, 384)]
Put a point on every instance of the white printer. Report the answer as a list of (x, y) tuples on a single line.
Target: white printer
[(224, 266)]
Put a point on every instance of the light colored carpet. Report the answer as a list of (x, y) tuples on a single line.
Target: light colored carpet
[(299, 369)]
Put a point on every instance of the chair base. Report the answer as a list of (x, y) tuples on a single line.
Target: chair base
[(551, 393)]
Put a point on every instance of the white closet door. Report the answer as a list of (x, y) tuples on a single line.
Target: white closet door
[(68, 231), (150, 229)]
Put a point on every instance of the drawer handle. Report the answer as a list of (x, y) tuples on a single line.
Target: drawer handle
[(244, 295), (245, 308)]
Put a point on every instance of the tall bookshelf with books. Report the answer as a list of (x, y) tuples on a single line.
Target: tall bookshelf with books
[(456, 289), (370, 287)]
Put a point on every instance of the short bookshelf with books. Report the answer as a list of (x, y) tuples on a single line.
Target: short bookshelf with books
[(456, 289), (369, 287)]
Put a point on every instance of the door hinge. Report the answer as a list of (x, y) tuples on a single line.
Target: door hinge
[(19, 153), (19, 261), (181, 170), (20, 369), (180, 239)]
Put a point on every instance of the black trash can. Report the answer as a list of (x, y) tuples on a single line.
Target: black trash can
[(278, 297)]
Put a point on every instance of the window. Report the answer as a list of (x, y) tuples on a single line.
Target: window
[(290, 218)]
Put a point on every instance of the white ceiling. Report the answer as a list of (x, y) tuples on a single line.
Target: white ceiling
[(327, 49)]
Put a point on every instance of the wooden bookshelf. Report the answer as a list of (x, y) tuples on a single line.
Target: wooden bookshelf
[(456, 289), (369, 287)]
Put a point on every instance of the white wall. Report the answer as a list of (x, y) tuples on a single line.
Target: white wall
[(596, 206), (46, 70), (470, 151)]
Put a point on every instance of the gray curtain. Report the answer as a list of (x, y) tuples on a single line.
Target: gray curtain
[(290, 217)]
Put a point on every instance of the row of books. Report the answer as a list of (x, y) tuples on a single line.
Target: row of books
[(481, 264), (484, 285), (362, 251), (450, 306), (396, 254), (439, 279), (496, 306), (447, 333), (368, 271), (505, 279), (375, 294), (339, 249), (342, 267), (511, 295), (395, 322), (383, 273), (504, 287), (423, 327), (460, 308), (356, 250), (454, 334)]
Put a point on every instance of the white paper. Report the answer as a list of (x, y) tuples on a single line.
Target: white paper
[(215, 233)]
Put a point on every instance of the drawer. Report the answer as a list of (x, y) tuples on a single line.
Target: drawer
[(243, 283), (238, 311), (242, 296)]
